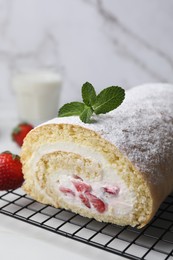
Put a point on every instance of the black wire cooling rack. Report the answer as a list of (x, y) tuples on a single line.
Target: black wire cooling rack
[(155, 241)]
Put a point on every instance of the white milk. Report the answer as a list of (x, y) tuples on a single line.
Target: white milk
[(37, 95)]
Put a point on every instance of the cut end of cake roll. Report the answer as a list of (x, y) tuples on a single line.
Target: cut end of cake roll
[(73, 167), (117, 169)]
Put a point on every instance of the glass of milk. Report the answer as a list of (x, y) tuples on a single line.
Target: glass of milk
[(37, 95)]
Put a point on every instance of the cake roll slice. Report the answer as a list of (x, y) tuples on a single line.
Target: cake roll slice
[(118, 169)]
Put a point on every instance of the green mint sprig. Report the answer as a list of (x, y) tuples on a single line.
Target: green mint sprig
[(108, 99)]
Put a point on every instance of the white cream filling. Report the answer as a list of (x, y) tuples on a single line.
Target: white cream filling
[(120, 204)]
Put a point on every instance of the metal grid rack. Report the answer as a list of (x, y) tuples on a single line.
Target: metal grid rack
[(155, 241)]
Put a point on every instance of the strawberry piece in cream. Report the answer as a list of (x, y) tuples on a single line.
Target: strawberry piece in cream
[(97, 203), (81, 186), (66, 191)]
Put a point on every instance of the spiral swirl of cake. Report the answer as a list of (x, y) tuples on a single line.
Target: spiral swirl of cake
[(117, 169)]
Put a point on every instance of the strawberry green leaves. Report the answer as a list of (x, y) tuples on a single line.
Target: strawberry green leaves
[(107, 100)]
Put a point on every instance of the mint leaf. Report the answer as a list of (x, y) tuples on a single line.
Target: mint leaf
[(88, 94), (71, 109), (108, 99), (86, 114)]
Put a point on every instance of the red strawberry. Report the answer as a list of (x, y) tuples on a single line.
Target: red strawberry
[(11, 176), (20, 131), (97, 203), (66, 191), (85, 200), (77, 177), (111, 190), (81, 186)]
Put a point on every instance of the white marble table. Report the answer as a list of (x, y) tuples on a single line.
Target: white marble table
[(19, 240), (105, 42)]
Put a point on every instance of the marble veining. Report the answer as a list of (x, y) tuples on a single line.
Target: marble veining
[(103, 41), (131, 36)]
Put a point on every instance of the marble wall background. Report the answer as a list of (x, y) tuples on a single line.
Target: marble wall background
[(105, 42)]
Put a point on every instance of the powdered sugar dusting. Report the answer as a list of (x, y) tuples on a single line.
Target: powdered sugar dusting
[(141, 128)]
